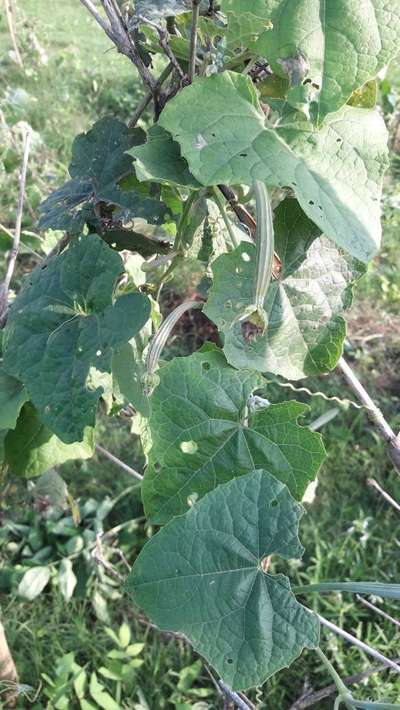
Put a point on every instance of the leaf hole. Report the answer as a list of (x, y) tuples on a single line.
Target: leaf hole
[(188, 447), (243, 155), (274, 503), (205, 366), (338, 140), (192, 499), (229, 660), (157, 466), (245, 257), (250, 331), (311, 202)]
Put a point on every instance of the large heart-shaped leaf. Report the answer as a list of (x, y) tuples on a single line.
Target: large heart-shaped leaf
[(340, 44), (99, 163), (336, 172), (305, 331), (202, 575), (62, 329), (203, 434), (31, 449)]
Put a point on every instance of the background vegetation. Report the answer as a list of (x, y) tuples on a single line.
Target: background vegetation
[(80, 651)]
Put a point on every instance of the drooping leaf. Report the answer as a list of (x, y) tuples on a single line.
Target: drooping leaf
[(160, 159), (67, 314), (157, 9), (31, 449), (202, 575), (12, 397), (145, 244), (33, 582), (66, 579), (305, 331), (129, 371), (203, 435), (99, 165), (336, 172), (343, 43)]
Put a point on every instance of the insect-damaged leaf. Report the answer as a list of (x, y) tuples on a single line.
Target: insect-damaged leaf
[(203, 435), (305, 330), (99, 163), (62, 329), (344, 44), (202, 575), (336, 172)]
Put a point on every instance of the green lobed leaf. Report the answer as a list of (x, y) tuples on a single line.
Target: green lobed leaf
[(12, 396), (336, 172), (67, 314), (99, 163), (31, 449), (343, 44), (305, 332), (202, 575), (160, 159), (203, 435)]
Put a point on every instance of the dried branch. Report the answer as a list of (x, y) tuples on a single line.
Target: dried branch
[(12, 257), (10, 16), (374, 484), (235, 698), (119, 463), (193, 40), (97, 554), (360, 644), (312, 698), (377, 610), (374, 412)]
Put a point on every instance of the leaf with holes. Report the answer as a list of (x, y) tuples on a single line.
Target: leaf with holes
[(343, 44), (203, 435), (202, 575), (305, 330), (67, 314), (336, 172), (99, 164), (32, 449)]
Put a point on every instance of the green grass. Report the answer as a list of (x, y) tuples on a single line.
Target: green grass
[(349, 532)]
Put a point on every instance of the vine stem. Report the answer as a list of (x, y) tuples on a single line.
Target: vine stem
[(235, 241), (375, 413), (344, 693), (360, 644), (235, 698), (12, 257), (193, 40), (146, 100), (118, 462), (377, 610)]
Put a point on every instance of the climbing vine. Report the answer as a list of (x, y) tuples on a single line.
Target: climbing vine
[(265, 162)]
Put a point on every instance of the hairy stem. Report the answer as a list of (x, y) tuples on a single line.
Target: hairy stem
[(193, 40), (119, 463)]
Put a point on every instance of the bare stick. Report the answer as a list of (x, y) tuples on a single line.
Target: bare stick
[(235, 698), (374, 412), (12, 257), (312, 698), (99, 19), (377, 610), (119, 463), (141, 107), (360, 644), (374, 484), (97, 554), (193, 40), (12, 30)]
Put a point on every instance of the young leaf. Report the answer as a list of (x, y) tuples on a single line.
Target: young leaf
[(12, 397), (305, 331), (66, 579), (203, 435), (33, 582), (202, 575), (31, 449), (336, 172), (160, 159), (67, 313), (344, 44), (99, 162)]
